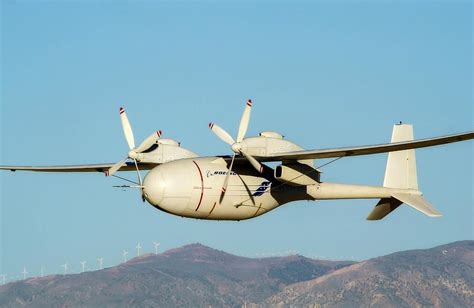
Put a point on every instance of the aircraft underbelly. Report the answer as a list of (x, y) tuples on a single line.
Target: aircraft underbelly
[(240, 201), (193, 188)]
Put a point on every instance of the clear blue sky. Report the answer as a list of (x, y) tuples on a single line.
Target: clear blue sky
[(322, 74)]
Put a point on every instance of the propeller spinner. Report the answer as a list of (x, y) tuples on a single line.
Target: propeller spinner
[(236, 145)]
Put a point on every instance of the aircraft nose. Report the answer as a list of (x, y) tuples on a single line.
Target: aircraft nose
[(154, 186)]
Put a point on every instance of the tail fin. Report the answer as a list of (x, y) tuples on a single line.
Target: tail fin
[(400, 174), (401, 165)]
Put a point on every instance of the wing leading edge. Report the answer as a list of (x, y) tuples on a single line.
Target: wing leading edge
[(367, 150), (78, 168)]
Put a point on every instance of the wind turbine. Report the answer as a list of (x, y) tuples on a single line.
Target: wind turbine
[(124, 254), (156, 247), (24, 272), (138, 249), (4, 276), (42, 271), (83, 266), (101, 262), (65, 268)]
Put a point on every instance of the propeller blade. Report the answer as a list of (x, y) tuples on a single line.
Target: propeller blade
[(244, 121), (258, 166), (115, 167), (221, 133), (140, 182), (226, 181), (138, 173), (148, 142), (127, 129)]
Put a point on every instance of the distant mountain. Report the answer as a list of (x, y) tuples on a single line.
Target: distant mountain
[(191, 276), (441, 277), (198, 276)]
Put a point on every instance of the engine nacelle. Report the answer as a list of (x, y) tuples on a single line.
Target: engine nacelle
[(270, 143), (271, 135), (163, 151), (297, 174), (169, 142)]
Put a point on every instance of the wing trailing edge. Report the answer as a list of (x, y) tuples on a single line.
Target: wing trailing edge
[(369, 149)]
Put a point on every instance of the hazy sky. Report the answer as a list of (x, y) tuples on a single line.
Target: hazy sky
[(322, 74)]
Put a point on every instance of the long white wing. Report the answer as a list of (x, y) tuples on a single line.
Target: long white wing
[(296, 155), (369, 149), (78, 168)]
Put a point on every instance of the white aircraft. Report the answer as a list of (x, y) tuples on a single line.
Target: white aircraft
[(242, 187)]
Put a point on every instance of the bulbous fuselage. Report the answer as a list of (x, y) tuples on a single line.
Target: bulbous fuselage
[(192, 188)]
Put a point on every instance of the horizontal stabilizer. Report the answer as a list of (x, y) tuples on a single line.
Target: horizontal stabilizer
[(418, 203)]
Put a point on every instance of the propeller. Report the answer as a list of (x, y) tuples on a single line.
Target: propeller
[(133, 151), (236, 145)]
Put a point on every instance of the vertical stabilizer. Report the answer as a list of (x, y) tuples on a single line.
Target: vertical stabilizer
[(401, 165), (400, 175)]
